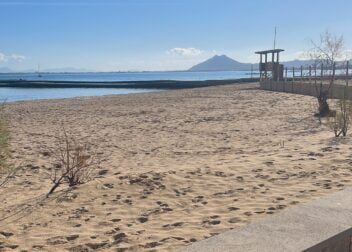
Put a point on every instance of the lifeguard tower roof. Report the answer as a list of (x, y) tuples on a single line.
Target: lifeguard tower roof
[(270, 51)]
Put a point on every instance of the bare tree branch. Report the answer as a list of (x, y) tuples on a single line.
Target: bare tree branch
[(75, 164), (325, 54)]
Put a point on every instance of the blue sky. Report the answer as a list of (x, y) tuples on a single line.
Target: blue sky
[(113, 35)]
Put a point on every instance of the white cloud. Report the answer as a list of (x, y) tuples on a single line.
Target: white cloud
[(17, 57), (348, 54), (306, 55), (174, 59), (2, 57), (12, 57), (189, 52)]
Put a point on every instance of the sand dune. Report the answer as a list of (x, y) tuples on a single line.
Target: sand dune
[(177, 167)]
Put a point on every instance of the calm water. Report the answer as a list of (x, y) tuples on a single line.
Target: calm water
[(22, 94), (25, 94), (129, 76)]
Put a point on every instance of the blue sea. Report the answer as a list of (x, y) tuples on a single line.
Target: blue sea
[(22, 94)]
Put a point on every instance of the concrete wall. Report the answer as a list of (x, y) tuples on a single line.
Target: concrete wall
[(304, 88), (323, 225)]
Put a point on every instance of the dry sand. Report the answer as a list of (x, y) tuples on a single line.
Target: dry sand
[(177, 167)]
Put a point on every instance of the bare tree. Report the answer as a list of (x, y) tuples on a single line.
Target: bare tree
[(325, 54), (340, 121), (73, 163)]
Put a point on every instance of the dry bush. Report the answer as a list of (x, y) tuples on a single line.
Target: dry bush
[(74, 163), (341, 119), (6, 171)]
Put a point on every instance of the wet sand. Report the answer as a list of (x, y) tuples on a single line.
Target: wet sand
[(176, 167)]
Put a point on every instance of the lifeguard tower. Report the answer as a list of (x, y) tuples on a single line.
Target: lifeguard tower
[(271, 70)]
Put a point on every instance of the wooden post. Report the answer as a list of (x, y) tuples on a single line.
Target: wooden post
[(333, 79), (293, 77), (286, 74), (301, 73), (266, 61), (315, 74), (347, 66), (273, 68), (285, 79), (346, 88), (260, 67)]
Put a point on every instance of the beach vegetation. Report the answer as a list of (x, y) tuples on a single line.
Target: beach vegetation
[(325, 54), (74, 164), (340, 120), (6, 171)]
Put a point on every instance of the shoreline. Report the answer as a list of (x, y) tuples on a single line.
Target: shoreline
[(157, 84)]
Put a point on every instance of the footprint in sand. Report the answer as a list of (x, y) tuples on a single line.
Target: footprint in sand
[(162, 204), (212, 220), (233, 208), (152, 244), (121, 249), (109, 186), (103, 172), (95, 246), (37, 247), (248, 213), (176, 224), (269, 163), (143, 219), (72, 237), (197, 199), (119, 238), (6, 234), (178, 238)]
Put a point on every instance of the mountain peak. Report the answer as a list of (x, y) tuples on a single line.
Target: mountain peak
[(220, 63), (221, 56)]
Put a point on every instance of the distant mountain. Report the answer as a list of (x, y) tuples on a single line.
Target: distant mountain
[(221, 63), (298, 63)]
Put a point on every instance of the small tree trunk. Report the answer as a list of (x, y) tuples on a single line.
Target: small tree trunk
[(56, 185), (53, 189), (324, 109)]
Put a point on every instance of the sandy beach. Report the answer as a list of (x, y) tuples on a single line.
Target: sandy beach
[(176, 167)]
